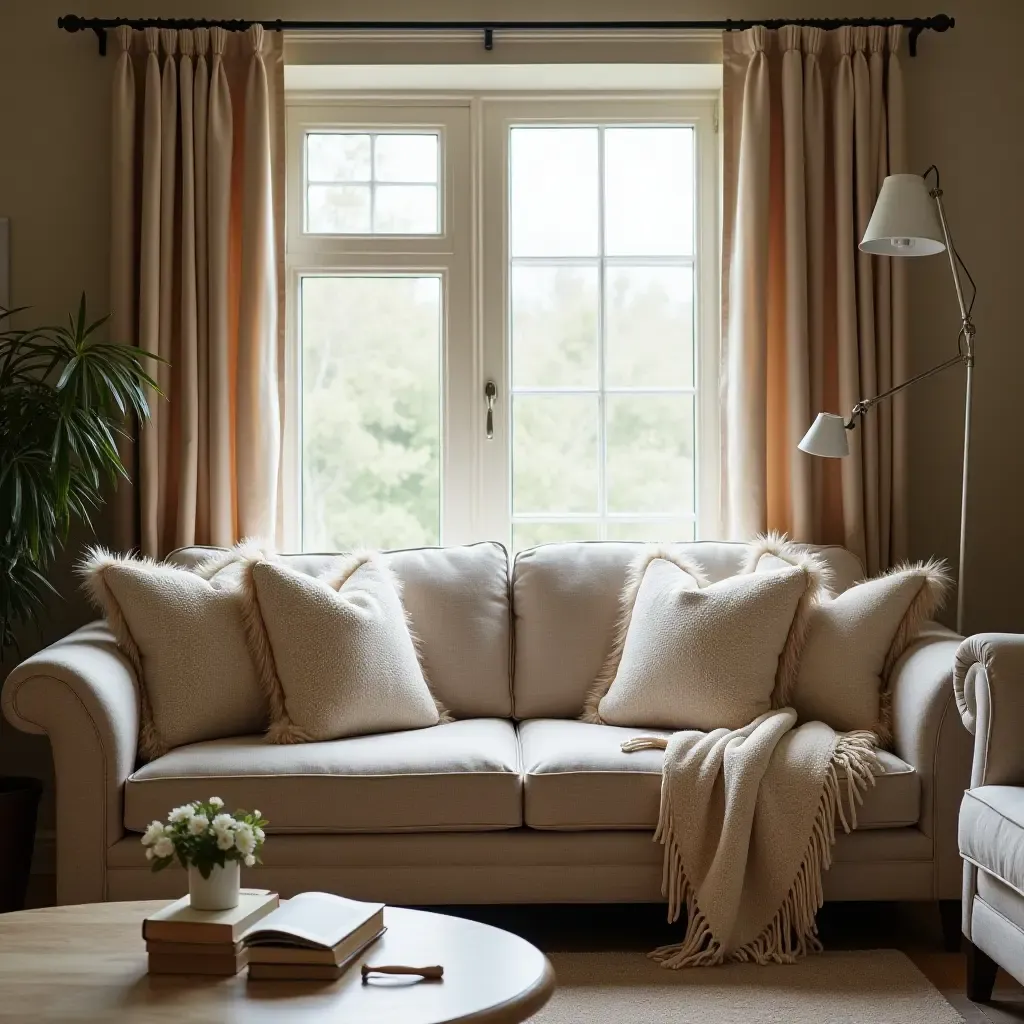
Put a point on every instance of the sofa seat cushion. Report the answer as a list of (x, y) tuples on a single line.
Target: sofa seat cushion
[(578, 778), (992, 832), (463, 776)]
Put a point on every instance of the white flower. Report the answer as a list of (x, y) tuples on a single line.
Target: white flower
[(163, 847), (182, 813), (222, 822), (259, 833), (215, 801), (154, 831), (256, 815), (197, 824), (149, 854), (250, 860), (245, 840), (225, 839)]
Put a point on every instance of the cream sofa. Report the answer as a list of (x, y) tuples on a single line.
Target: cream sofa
[(516, 801), (989, 682)]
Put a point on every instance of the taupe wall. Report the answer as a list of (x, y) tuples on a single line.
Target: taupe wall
[(966, 97)]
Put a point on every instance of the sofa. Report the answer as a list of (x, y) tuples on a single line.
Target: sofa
[(989, 682), (515, 801)]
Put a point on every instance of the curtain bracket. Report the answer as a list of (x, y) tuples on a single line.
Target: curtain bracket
[(488, 38), (912, 36), (101, 40)]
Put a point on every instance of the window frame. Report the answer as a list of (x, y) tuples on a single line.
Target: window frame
[(475, 473)]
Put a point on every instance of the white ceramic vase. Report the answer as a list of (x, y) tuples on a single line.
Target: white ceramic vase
[(219, 891)]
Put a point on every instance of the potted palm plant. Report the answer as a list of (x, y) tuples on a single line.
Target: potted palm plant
[(65, 397)]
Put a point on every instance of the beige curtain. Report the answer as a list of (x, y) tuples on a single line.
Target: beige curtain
[(813, 123), (196, 267)]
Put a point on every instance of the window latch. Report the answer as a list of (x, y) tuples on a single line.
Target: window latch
[(490, 394)]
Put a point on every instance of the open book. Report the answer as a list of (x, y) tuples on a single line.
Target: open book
[(314, 928)]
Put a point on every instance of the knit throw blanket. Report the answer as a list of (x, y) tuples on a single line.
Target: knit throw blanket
[(748, 819)]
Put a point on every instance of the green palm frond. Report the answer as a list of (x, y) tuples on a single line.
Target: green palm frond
[(66, 396)]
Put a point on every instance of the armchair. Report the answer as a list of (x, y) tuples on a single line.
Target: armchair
[(989, 684)]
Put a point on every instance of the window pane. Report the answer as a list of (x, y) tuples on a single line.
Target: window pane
[(371, 425), (649, 191), (651, 531), (554, 191), (338, 209), (528, 535), (337, 156), (405, 210), (554, 326), (554, 453), (650, 454), (649, 326), (405, 158)]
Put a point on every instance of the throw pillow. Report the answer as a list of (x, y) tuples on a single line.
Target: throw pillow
[(336, 654), (183, 632), (692, 655), (855, 638)]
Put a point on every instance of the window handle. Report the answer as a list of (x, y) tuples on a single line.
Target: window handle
[(490, 394)]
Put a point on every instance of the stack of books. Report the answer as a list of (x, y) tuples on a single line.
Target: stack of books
[(181, 940), (314, 935)]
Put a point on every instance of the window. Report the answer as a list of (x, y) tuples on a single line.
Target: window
[(564, 250)]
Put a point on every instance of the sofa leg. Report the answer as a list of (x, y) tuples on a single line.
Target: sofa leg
[(981, 974), (952, 924)]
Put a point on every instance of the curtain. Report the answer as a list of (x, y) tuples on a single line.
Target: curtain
[(813, 122), (196, 273)]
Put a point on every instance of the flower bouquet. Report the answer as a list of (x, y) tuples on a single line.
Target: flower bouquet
[(211, 844)]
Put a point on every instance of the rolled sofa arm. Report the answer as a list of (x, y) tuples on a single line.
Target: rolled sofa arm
[(989, 685), (81, 693), (928, 734)]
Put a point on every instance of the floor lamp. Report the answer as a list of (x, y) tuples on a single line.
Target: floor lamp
[(909, 220)]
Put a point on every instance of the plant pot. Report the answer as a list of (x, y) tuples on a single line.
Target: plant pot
[(19, 802), (219, 891)]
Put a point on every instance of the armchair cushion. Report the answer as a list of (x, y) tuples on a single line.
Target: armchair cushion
[(992, 832)]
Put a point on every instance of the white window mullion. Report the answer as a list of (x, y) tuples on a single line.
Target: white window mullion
[(602, 344)]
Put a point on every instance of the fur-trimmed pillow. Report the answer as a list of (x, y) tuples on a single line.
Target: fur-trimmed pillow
[(692, 655), (183, 632), (335, 653), (855, 638)]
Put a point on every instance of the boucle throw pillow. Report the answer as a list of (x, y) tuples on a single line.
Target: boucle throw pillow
[(183, 632), (692, 655), (855, 638), (336, 654)]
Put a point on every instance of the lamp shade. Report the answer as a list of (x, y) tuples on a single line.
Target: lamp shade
[(904, 221), (827, 437)]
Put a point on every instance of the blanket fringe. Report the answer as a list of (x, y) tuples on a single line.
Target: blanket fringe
[(793, 931)]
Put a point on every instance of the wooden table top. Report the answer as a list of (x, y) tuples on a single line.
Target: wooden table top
[(88, 964)]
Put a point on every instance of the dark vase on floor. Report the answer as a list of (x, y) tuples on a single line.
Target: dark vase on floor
[(19, 803)]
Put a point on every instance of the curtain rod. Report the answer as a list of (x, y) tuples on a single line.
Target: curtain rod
[(75, 23)]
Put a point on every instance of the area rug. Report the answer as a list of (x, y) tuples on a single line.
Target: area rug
[(856, 987)]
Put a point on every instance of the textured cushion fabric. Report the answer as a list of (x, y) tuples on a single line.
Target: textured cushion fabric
[(686, 656), (855, 638), (458, 604), (464, 776), (992, 831), (579, 779), (185, 637), (334, 652), (566, 602)]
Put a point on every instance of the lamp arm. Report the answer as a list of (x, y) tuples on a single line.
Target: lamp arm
[(866, 403)]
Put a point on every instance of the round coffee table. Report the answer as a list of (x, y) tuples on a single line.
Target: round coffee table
[(88, 964)]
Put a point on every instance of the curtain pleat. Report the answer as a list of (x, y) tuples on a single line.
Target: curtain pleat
[(122, 253), (209, 253), (810, 322)]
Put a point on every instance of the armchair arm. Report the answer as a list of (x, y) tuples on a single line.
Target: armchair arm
[(989, 684), (927, 733), (81, 693)]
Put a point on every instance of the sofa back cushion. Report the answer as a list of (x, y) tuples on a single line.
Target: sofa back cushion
[(458, 601), (565, 599)]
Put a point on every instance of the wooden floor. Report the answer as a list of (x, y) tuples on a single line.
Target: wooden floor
[(913, 928)]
